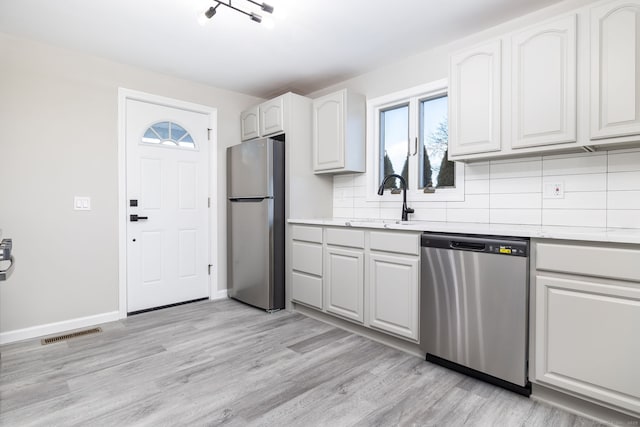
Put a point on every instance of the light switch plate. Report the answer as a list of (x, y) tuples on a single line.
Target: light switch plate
[(553, 190), (82, 203)]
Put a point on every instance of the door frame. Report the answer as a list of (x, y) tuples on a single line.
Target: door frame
[(123, 95)]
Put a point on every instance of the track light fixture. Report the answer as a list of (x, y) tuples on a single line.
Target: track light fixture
[(208, 14)]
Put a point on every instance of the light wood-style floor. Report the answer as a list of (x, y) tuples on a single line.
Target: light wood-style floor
[(224, 363)]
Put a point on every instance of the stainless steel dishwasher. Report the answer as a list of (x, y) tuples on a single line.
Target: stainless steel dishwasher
[(474, 306)]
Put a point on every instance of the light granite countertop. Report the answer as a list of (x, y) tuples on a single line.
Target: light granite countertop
[(614, 235)]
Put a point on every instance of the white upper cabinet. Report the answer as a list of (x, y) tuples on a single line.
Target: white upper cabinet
[(338, 133), (272, 116), (544, 79), (250, 123), (474, 94), (615, 77), (263, 120)]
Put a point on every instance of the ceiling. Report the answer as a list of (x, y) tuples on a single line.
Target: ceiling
[(315, 43)]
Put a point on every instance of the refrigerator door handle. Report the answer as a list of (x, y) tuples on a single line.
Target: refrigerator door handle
[(247, 199)]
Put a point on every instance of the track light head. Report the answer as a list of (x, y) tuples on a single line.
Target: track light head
[(255, 17), (210, 12), (206, 15), (267, 8)]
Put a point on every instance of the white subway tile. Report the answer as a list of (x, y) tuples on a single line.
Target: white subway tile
[(592, 163), (579, 200), (476, 171), (343, 181), (471, 201), (428, 205), (342, 212), (361, 202), (623, 181), (429, 215), (360, 179), (516, 185), (582, 182), (478, 186), (516, 160), (391, 213), (516, 216), (623, 200), (468, 215), (576, 218), (359, 191), (623, 218), (624, 162), (366, 212), (516, 201), (343, 203), (516, 170)]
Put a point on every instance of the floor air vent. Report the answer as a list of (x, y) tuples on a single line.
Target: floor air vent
[(71, 335)]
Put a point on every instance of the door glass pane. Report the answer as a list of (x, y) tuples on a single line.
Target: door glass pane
[(394, 137), (162, 129), (436, 171)]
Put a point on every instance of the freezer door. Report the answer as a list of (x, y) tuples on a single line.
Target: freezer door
[(250, 251), (250, 169)]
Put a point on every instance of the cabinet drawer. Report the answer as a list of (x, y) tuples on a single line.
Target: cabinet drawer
[(307, 234), (307, 257), (403, 243), (344, 237), (307, 289), (614, 263)]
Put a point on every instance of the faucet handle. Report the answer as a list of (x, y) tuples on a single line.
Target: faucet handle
[(409, 210)]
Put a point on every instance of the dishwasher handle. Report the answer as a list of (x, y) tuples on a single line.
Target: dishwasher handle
[(468, 246)]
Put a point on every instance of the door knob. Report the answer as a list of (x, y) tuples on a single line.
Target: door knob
[(135, 218)]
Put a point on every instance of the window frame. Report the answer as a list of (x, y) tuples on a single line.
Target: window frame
[(413, 97)]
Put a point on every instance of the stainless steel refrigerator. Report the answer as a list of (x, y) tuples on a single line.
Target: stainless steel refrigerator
[(255, 223)]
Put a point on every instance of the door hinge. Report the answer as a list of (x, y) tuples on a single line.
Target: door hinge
[(209, 268), (208, 202), (209, 134)]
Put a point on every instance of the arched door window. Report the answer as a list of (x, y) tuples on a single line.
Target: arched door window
[(168, 134)]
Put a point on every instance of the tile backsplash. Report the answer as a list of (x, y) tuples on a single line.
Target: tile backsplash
[(601, 189)]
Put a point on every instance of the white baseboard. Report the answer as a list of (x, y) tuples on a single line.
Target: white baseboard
[(218, 295), (57, 327)]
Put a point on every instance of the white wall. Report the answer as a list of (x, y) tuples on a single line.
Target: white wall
[(601, 189), (58, 138)]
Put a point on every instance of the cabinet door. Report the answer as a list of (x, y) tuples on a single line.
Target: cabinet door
[(306, 289), (344, 283), (328, 131), (250, 124), (272, 116), (587, 339), (474, 100), (544, 84), (394, 298), (615, 77)]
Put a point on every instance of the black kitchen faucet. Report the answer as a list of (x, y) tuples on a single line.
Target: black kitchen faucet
[(405, 210)]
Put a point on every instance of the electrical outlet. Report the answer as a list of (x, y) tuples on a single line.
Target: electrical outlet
[(553, 190)]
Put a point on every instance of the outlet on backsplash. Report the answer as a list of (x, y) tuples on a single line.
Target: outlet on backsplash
[(553, 190)]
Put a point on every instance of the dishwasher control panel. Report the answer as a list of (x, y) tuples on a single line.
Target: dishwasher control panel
[(497, 245)]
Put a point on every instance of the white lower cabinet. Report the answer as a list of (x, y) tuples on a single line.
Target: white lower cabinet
[(587, 327), (370, 277), (393, 294), (344, 282)]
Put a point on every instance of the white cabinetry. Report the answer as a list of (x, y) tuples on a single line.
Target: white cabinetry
[(338, 133), (263, 120), (615, 73), (394, 296), (370, 277), (544, 79), (272, 116), (250, 123), (474, 100), (344, 273), (344, 282), (306, 287), (587, 322)]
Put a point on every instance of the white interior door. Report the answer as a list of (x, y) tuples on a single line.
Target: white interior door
[(167, 188)]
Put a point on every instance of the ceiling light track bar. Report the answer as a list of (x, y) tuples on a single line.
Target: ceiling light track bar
[(208, 14)]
